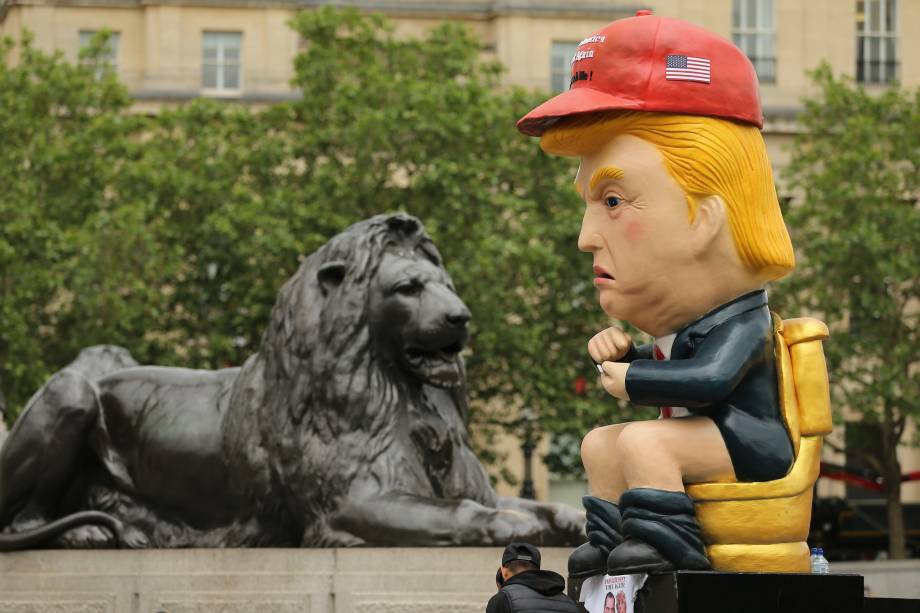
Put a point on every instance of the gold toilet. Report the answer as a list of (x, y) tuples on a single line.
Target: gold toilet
[(763, 526)]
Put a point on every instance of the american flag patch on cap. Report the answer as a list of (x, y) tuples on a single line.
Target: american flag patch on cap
[(686, 68)]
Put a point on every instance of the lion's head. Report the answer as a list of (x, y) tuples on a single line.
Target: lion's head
[(359, 379), (419, 322), (375, 298)]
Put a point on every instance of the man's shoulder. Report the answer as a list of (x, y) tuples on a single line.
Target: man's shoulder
[(499, 603), (526, 591)]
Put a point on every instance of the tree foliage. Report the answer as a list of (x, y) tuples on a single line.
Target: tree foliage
[(63, 142), (172, 234), (857, 168)]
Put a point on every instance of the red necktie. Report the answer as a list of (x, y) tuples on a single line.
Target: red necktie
[(666, 412)]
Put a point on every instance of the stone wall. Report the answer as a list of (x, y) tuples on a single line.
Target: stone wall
[(405, 580), (886, 578)]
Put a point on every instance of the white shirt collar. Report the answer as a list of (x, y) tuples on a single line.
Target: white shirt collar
[(665, 343)]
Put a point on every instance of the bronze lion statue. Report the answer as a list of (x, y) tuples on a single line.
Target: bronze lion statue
[(346, 428)]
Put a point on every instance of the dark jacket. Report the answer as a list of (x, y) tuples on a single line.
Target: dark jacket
[(723, 366), (532, 591)]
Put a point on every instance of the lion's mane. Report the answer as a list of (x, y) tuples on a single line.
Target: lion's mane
[(326, 411)]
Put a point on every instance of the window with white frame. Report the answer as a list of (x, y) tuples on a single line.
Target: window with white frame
[(754, 32), (108, 59), (220, 61), (876, 41), (560, 65)]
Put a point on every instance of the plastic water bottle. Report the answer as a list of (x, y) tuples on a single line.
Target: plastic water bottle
[(819, 564)]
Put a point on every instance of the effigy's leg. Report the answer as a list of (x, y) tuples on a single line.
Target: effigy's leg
[(602, 463), (605, 482), (666, 453), (604, 530), (657, 458), (662, 534)]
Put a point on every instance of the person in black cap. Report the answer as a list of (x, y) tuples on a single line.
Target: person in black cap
[(526, 588)]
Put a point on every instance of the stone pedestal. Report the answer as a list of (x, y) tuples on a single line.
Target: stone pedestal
[(385, 580), (404, 580)]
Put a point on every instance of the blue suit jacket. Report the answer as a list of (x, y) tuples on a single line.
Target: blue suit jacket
[(723, 366)]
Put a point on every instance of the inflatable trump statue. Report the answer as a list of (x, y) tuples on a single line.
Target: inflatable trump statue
[(683, 223)]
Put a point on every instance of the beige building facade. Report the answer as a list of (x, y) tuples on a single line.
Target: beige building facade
[(168, 51), (164, 49)]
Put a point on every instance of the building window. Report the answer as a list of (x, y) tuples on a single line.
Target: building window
[(560, 65), (876, 41), (220, 61), (754, 33), (108, 59)]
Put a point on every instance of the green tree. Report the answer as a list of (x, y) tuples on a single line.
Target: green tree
[(171, 235), (214, 182), (425, 126), (857, 168), (64, 136)]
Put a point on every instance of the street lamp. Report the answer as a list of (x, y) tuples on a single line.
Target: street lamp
[(528, 422)]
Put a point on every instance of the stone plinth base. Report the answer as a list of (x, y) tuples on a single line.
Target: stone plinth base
[(404, 580)]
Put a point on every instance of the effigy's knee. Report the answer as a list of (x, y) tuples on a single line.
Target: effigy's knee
[(599, 444), (638, 442)]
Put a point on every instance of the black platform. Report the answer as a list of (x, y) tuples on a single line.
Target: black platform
[(891, 605), (710, 592)]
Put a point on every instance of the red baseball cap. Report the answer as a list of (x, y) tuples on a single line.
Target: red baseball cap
[(650, 63)]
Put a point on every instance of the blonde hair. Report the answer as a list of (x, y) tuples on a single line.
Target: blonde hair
[(706, 156)]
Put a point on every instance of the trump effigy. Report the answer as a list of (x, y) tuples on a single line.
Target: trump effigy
[(683, 223)]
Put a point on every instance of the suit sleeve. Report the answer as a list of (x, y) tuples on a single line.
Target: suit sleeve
[(721, 360), (638, 352), (499, 604)]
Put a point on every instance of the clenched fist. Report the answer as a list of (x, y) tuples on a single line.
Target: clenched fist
[(609, 345), (605, 348)]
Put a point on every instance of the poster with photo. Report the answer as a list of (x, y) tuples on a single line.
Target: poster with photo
[(612, 593)]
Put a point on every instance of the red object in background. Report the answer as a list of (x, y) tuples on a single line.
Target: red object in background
[(852, 479), (650, 63), (581, 386), (859, 478)]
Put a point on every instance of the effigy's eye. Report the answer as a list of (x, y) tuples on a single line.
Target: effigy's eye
[(612, 201)]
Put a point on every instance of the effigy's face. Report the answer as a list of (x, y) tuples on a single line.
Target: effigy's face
[(637, 228)]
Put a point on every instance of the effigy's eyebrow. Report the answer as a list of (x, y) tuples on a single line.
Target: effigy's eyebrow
[(605, 172)]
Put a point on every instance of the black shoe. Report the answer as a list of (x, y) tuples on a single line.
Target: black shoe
[(634, 556), (587, 560), (604, 523), (666, 523), (604, 533)]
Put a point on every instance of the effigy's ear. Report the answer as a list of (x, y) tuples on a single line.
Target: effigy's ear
[(710, 221), (330, 275)]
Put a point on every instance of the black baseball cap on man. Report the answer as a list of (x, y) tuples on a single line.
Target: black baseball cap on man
[(522, 552)]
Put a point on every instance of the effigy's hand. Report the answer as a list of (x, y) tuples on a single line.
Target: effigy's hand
[(614, 379), (609, 345)]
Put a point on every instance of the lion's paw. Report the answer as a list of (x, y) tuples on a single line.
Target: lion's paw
[(132, 538), (511, 525), (87, 537)]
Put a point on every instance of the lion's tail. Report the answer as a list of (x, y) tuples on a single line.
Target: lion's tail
[(38, 536)]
